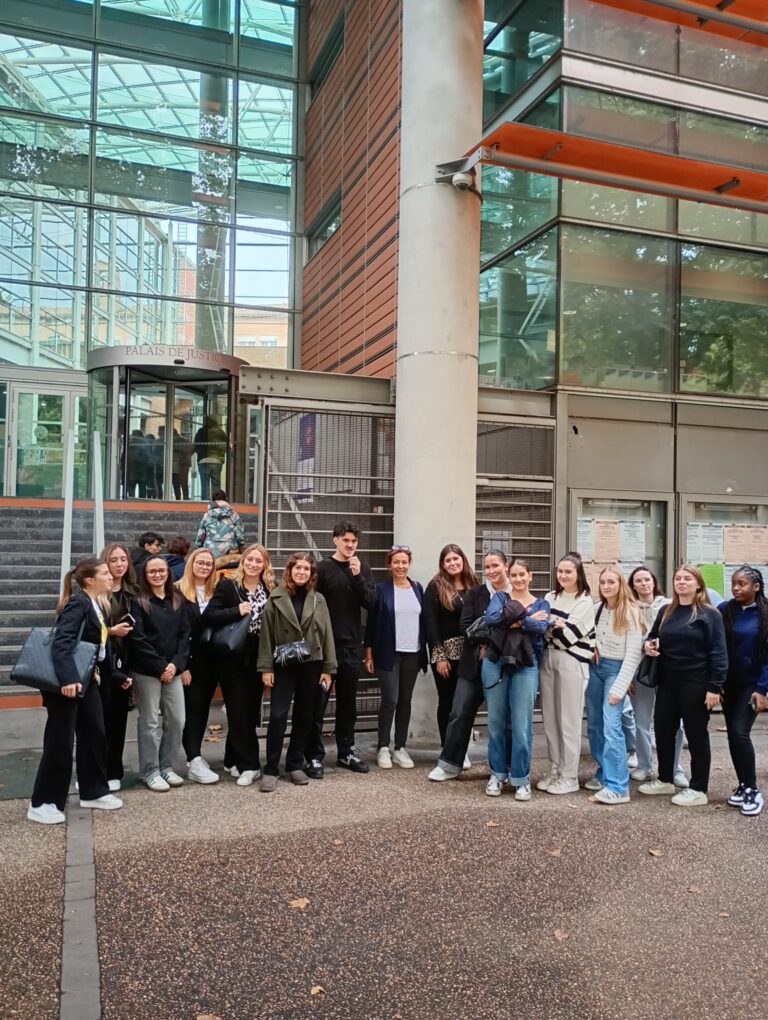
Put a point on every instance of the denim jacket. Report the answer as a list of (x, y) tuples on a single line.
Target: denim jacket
[(533, 628)]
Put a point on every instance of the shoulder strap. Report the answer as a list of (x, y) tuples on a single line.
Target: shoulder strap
[(599, 613)]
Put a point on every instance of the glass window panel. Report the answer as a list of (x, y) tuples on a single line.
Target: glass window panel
[(264, 192), (45, 77), (615, 205), (263, 337), (266, 116), (515, 203), (268, 36), (720, 140), (735, 64), (44, 159), (41, 241), (719, 223), (262, 268), (616, 310), (163, 176), (603, 31), (123, 320), (61, 17), (723, 321), (191, 28), (3, 432), (41, 326), (518, 308), (164, 98), (515, 54), (547, 113)]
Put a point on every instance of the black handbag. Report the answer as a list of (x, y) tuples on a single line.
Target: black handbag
[(478, 632), (295, 651), (648, 671), (229, 641), (35, 667)]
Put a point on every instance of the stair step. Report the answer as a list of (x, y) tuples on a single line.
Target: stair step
[(27, 603), (31, 572), (13, 635), (22, 586), (9, 654)]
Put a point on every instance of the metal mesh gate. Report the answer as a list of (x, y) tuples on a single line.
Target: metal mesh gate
[(517, 519)]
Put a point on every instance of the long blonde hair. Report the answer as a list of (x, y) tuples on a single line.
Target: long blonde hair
[(186, 583), (627, 613), (701, 598), (268, 574)]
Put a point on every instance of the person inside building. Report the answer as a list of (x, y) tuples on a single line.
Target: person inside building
[(199, 678), (74, 711), (221, 529), (346, 583), (176, 556), (159, 650), (149, 543), (396, 651), (469, 694), (211, 446), (570, 645), (688, 638), (746, 686), (650, 599), (137, 465), (116, 696), (181, 461), (619, 630), (510, 676), (443, 601), (244, 594), (296, 613)]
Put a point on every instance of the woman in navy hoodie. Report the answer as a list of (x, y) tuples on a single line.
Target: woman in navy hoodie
[(746, 633), (396, 650)]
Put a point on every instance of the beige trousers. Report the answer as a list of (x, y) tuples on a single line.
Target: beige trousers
[(563, 681)]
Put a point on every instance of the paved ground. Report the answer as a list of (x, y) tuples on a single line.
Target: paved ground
[(400, 901)]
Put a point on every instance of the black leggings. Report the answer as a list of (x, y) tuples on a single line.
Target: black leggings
[(676, 701), (739, 718), (299, 683), (446, 688), (198, 696)]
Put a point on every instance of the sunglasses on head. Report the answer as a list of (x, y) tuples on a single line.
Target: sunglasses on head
[(400, 548)]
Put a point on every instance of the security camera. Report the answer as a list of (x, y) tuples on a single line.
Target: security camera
[(463, 182)]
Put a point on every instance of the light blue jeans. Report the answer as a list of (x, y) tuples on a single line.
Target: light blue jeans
[(510, 695), (604, 727)]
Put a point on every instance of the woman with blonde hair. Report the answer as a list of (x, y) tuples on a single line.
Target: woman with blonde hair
[(618, 647), (245, 594), (196, 584), (688, 637)]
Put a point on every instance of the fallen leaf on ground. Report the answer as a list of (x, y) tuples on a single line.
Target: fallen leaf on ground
[(554, 853), (337, 842), (723, 913), (694, 889), (571, 806), (722, 729), (299, 904), (655, 852), (560, 935), (25, 759), (208, 1016), (213, 740), (214, 728), (317, 990), (490, 824)]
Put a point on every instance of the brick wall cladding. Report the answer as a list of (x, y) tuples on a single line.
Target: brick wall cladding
[(353, 143)]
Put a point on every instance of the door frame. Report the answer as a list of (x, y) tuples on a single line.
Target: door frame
[(15, 388)]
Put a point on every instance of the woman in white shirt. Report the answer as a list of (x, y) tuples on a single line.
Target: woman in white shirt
[(618, 648)]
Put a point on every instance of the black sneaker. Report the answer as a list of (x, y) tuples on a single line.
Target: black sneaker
[(315, 769), (352, 762), (736, 799)]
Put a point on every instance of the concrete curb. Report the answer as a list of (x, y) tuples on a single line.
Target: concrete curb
[(80, 973)]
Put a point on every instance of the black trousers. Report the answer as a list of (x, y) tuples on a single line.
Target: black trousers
[(683, 700), (396, 694), (243, 690), (446, 688), (297, 683), (198, 696), (349, 670), (739, 718), (115, 702), (466, 702), (68, 717)]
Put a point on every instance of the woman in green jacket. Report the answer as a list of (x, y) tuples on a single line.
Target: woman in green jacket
[(295, 611)]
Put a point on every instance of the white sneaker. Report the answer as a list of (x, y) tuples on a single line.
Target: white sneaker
[(46, 814), (632, 762), (199, 771), (549, 780), (401, 757), (680, 780), (563, 785), (439, 775), (156, 783), (657, 788), (690, 798), (247, 776), (753, 802), (640, 775), (171, 778), (467, 763), (384, 758), (234, 771), (105, 803), (114, 785), (523, 792), (606, 796), (494, 787), (593, 784)]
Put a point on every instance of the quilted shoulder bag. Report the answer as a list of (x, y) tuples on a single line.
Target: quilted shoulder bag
[(478, 632), (35, 667), (295, 651)]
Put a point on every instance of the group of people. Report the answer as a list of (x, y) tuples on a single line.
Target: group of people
[(322, 625), (145, 461)]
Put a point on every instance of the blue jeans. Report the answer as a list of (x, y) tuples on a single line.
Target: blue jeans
[(510, 695), (628, 725), (606, 735)]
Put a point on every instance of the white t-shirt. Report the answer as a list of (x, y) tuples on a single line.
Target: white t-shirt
[(202, 598), (407, 613)]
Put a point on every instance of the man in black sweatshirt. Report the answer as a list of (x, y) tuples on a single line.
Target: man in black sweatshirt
[(348, 587)]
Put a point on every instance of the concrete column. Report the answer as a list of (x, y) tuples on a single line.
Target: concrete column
[(438, 304)]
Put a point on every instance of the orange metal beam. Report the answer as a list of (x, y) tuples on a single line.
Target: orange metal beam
[(746, 20)]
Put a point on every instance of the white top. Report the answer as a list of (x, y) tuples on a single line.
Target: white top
[(628, 647), (407, 613), (650, 610), (104, 631), (577, 635), (202, 598)]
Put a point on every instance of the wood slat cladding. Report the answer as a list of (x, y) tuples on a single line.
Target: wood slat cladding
[(353, 143)]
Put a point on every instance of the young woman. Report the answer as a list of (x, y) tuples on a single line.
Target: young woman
[(618, 648), (746, 687), (198, 679), (689, 637), (469, 694), (245, 594), (396, 650), (510, 689), (116, 695), (650, 599), (295, 611), (159, 652), (80, 617), (570, 645), (443, 602)]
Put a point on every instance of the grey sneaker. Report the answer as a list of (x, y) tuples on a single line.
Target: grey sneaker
[(268, 784), (593, 784)]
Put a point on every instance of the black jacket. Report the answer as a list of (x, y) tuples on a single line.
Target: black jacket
[(511, 644), (160, 636), (441, 623), (380, 628), (224, 608), (475, 604), (195, 621), (346, 595), (65, 640)]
